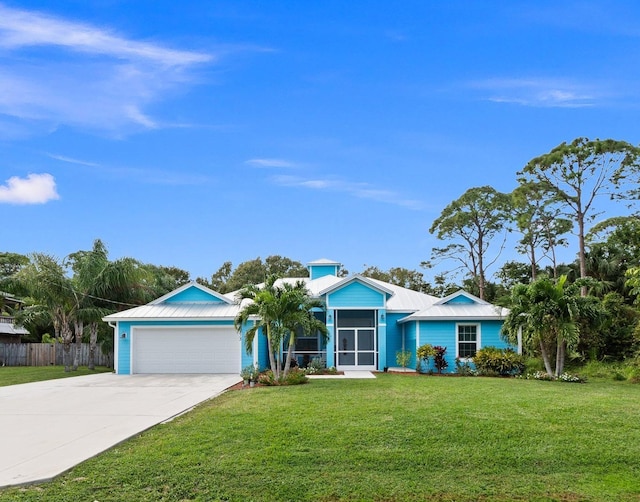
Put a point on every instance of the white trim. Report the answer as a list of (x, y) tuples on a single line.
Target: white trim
[(116, 341), (478, 338)]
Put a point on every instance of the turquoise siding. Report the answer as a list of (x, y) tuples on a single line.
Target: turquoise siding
[(356, 295), (263, 351), (491, 335), (124, 344), (410, 335), (247, 359), (317, 271), (460, 299), (193, 294), (394, 340), (444, 333)]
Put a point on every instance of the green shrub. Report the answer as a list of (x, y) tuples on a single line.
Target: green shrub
[(423, 354), (403, 357), (464, 368), (296, 376), (491, 361)]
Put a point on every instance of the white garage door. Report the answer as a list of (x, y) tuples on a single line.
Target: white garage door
[(185, 350)]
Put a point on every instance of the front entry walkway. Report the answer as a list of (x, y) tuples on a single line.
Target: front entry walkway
[(49, 427), (347, 374)]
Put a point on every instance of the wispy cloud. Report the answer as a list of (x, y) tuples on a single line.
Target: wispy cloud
[(356, 189), (34, 189), (539, 92), (67, 72), (277, 163), (71, 160)]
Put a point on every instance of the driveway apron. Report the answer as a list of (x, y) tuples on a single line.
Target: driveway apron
[(48, 427)]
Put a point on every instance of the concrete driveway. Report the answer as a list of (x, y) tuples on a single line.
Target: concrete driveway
[(48, 427)]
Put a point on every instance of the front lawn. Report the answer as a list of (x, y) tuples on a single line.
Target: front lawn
[(13, 375), (396, 438)]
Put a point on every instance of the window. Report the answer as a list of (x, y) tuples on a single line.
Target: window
[(467, 340)]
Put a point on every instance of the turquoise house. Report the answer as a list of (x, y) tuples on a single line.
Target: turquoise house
[(190, 330)]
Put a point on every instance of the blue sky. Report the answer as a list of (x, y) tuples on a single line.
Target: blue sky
[(191, 133)]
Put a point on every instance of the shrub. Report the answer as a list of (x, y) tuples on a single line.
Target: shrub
[(464, 368), (295, 376), (423, 353), (403, 357), (491, 361), (315, 366), (438, 359)]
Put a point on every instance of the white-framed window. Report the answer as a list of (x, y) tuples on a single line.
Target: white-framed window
[(468, 340)]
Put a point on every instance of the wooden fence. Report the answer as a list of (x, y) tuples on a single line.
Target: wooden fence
[(47, 354)]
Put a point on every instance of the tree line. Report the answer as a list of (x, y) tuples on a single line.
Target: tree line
[(557, 194)]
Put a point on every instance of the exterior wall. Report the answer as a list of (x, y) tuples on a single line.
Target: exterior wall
[(460, 299), (382, 339), (192, 294), (410, 340), (356, 295), (123, 345), (444, 333), (317, 271), (331, 339), (394, 338)]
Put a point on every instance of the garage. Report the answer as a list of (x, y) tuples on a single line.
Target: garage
[(186, 349)]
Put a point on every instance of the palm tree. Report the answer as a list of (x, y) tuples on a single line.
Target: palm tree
[(99, 286), (279, 311), (548, 314), (50, 293)]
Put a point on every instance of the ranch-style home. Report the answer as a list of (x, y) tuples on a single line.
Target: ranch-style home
[(190, 330)]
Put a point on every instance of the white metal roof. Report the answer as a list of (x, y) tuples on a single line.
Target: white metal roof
[(183, 311), (459, 312), (8, 328), (399, 299)]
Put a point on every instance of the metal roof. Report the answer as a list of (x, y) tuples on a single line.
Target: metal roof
[(459, 312), (8, 328), (183, 311), (399, 299)]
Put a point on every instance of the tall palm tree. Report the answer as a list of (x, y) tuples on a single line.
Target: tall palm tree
[(99, 286), (50, 293), (279, 311), (548, 314)]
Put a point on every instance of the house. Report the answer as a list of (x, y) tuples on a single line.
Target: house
[(9, 332), (190, 330)]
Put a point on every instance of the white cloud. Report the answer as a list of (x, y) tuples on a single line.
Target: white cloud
[(540, 92), (34, 189), (71, 160), (21, 28), (360, 190), (270, 163), (57, 71)]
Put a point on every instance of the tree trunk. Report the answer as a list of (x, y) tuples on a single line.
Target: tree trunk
[(78, 328), (560, 353), (67, 338), (93, 340), (287, 365), (272, 361), (545, 358)]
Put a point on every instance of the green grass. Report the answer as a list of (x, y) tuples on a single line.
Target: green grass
[(396, 438), (13, 375)]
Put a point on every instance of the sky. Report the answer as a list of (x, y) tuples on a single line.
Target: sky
[(192, 133)]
